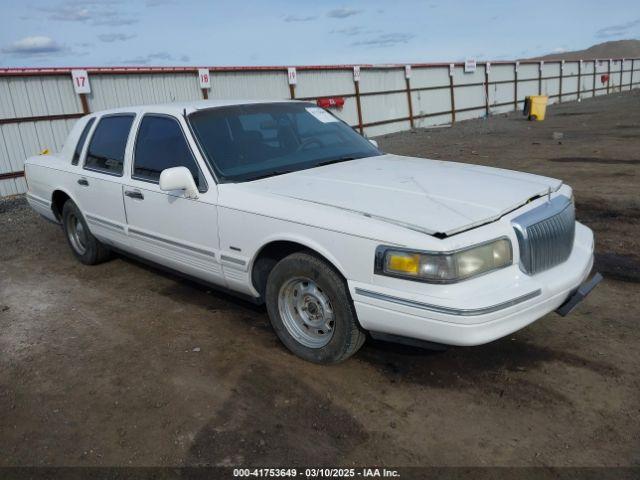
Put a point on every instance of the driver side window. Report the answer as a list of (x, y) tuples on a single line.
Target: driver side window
[(160, 145)]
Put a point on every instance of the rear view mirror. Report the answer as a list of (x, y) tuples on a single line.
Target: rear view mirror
[(178, 178)]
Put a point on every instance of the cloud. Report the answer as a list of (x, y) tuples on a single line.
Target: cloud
[(385, 40), (113, 19), (115, 37), (158, 57), (616, 30), (343, 12), (33, 46), (69, 13), (159, 3), (295, 18), (349, 31), (96, 12)]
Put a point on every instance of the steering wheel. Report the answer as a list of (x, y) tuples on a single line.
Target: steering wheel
[(308, 142)]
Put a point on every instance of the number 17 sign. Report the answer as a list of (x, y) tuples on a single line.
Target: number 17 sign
[(80, 81)]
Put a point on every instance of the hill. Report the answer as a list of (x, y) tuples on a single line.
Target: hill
[(614, 49)]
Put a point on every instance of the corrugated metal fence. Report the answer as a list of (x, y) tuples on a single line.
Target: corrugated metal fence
[(39, 106)]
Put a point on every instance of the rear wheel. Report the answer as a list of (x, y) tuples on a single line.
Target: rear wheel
[(311, 311), (84, 245)]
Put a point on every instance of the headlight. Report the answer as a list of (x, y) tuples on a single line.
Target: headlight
[(448, 267)]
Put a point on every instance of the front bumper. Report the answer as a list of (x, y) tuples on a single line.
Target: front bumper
[(478, 311)]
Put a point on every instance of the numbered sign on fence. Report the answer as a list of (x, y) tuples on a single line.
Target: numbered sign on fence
[(293, 76), (469, 65), (80, 81), (517, 66), (204, 77), (356, 73), (407, 71), (452, 67), (487, 67)]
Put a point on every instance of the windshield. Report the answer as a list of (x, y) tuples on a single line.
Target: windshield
[(246, 142)]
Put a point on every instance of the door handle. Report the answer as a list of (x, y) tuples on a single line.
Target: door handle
[(84, 182), (134, 194)]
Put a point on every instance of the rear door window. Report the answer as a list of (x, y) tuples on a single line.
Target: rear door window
[(108, 143), (161, 144), (81, 141)]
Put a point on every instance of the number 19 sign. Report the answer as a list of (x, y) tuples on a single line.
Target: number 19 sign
[(80, 81)]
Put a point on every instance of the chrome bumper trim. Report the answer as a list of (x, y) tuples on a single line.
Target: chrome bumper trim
[(470, 312)]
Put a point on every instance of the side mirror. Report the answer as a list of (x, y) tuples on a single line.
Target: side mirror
[(374, 143), (178, 178)]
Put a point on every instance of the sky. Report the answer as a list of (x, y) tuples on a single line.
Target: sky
[(39, 33)]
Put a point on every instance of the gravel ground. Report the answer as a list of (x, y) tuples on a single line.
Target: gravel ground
[(121, 364)]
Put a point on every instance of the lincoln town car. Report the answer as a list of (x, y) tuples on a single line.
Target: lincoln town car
[(283, 203)]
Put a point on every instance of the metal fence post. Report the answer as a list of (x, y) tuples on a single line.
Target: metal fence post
[(633, 62), (487, 67), (356, 85), (540, 78), (407, 75), (608, 75), (292, 77), (579, 73), (452, 96), (593, 92), (621, 70), (85, 103), (515, 85), (560, 85)]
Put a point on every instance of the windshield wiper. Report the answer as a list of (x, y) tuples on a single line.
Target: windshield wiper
[(346, 158), (269, 174), (273, 173)]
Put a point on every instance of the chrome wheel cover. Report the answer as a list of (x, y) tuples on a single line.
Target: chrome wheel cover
[(77, 234), (306, 312)]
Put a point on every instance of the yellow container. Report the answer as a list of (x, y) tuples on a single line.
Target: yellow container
[(536, 107)]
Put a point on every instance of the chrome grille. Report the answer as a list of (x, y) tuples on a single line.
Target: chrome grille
[(545, 235)]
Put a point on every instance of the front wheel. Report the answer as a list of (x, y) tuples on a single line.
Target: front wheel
[(84, 245), (311, 311)]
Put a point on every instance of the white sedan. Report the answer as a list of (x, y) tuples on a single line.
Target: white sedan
[(285, 204)]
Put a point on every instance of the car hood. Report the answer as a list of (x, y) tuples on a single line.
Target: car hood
[(429, 196)]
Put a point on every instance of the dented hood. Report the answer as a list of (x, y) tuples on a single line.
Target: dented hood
[(430, 196)]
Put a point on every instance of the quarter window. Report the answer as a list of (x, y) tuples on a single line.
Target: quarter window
[(81, 141), (108, 143), (160, 145)]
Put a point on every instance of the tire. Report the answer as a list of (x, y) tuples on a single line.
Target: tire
[(83, 244), (322, 304)]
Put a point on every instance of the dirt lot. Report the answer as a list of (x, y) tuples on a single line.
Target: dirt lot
[(122, 365)]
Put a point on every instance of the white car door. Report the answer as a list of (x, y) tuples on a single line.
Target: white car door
[(166, 227), (98, 188)]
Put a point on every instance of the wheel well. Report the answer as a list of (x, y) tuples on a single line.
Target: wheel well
[(270, 255), (57, 202)]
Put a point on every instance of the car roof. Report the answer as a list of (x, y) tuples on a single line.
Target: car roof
[(178, 108)]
